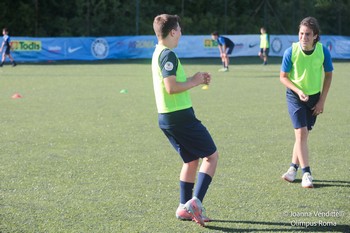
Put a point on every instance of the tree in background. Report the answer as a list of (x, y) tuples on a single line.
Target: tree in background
[(45, 18)]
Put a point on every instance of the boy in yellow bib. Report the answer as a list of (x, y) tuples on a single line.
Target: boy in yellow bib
[(264, 45), (177, 119), (302, 69)]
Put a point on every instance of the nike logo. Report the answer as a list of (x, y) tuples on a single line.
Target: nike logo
[(252, 45), (72, 50)]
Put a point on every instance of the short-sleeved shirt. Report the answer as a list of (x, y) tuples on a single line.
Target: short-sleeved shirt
[(225, 41), (287, 60), (176, 116), (164, 64), (6, 40), (305, 67), (168, 63)]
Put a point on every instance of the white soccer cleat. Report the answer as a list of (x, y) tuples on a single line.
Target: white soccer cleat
[(194, 208), (223, 69), (290, 174), (182, 214), (306, 181)]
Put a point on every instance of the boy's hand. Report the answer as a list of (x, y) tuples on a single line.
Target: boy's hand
[(207, 78), (201, 78), (303, 97), (318, 109)]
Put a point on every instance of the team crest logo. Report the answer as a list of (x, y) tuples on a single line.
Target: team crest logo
[(276, 45), (168, 66), (100, 48)]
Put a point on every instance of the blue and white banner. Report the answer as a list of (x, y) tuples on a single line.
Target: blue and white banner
[(82, 48), (29, 49), (249, 45)]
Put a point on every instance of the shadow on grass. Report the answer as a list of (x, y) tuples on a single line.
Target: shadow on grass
[(331, 183), (327, 183), (278, 227)]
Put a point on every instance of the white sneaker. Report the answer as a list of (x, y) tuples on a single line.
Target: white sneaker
[(194, 208), (204, 216), (182, 214), (225, 69), (306, 181), (290, 174)]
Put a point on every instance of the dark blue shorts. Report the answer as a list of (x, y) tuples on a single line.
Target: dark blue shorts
[(267, 50), (300, 112), (230, 48), (7, 50), (190, 139)]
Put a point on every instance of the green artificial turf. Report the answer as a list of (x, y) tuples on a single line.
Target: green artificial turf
[(81, 151)]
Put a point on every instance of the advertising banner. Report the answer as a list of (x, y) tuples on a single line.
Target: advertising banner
[(28, 49)]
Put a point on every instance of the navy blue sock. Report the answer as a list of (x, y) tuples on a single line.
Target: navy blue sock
[(202, 185), (306, 169), (296, 166), (186, 190)]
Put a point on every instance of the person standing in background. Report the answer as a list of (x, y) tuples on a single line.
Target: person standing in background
[(226, 47), (6, 46), (264, 45)]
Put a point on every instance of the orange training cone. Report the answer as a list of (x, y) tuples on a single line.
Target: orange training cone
[(16, 96)]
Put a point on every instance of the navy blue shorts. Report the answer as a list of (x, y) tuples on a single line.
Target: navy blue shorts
[(7, 50), (300, 112), (267, 50), (230, 48), (190, 139)]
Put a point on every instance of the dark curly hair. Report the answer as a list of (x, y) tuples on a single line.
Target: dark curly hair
[(312, 23)]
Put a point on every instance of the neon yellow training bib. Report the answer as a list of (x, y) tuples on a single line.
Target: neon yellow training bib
[(264, 42), (168, 102), (307, 70)]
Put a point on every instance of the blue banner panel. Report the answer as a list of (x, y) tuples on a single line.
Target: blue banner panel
[(82, 48), (29, 49)]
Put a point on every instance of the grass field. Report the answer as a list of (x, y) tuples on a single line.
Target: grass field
[(76, 155)]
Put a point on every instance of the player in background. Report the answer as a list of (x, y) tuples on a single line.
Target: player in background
[(307, 73), (226, 47), (264, 45), (6, 46), (177, 119)]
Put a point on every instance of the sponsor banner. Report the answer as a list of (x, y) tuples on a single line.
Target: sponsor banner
[(339, 46), (133, 47), (82, 48), (26, 45), (204, 46)]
